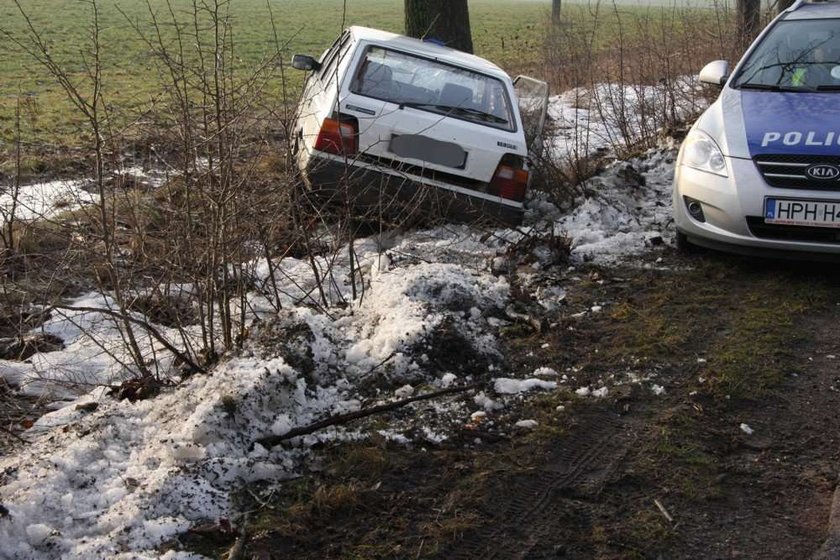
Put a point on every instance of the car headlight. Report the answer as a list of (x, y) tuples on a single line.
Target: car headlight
[(701, 152)]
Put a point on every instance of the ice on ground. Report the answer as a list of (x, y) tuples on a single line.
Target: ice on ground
[(545, 372), (601, 393), (486, 402), (44, 200), (507, 386)]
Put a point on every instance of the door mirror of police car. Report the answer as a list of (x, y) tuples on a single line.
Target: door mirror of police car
[(715, 73), (304, 62)]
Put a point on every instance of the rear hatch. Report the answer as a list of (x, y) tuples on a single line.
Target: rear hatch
[(431, 118)]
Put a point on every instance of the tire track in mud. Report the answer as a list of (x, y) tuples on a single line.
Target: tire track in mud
[(528, 512)]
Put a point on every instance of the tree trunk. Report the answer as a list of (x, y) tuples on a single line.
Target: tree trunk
[(555, 12), (782, 5), (749, 18), (447, 21)]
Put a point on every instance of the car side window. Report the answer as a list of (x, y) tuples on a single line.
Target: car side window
[(333, 57)]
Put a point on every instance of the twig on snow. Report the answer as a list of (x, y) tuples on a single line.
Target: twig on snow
[(271, 441), (14, 435)]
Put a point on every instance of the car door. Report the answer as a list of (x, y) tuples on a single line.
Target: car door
[(532, 97)]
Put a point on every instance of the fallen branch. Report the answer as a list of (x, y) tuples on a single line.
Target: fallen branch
[(12, 434), (142, 324), (271, 441)]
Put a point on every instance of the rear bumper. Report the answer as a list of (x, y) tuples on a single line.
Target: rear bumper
[(383, 193)]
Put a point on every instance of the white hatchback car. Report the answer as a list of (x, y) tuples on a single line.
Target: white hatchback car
[(759, 172), (394, 122)]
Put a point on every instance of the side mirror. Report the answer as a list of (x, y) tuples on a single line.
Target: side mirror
[(305, 62), (715, 73)]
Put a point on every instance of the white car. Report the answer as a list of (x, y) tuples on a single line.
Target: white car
[(759, 172), (386, 121)]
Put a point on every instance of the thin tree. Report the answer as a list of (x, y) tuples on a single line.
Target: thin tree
[(555, 12), (749, 19), (782, 5), (447, 21)]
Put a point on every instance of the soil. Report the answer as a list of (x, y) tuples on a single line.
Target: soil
[(739, 346)]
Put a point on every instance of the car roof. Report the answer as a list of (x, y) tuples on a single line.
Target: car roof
[(810, 9), (426, 48)]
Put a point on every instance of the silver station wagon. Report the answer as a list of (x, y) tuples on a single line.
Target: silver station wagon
[(394, 125)]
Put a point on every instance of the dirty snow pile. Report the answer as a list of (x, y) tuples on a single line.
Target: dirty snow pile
[(584, 121), (626, 210), (121, 479), (93, 354)]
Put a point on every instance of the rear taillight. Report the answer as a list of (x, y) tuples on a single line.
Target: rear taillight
[(337, 137), (509, 182)]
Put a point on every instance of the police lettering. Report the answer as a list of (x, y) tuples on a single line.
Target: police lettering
[(795, 138)]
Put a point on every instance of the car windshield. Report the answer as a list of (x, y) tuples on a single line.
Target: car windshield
[(797, 55), (433, 86)]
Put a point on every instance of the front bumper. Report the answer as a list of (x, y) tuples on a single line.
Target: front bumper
[(733, 208), (380, 192)]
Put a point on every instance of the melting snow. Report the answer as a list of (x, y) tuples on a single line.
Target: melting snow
[(118, 481), (506, 386)]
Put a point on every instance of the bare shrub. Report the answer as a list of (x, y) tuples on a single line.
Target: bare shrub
[(631, 71), (224, 202)]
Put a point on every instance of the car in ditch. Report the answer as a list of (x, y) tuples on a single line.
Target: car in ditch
[(759, 171), (397, 126)]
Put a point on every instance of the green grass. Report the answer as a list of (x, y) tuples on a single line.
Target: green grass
[(503, 30)]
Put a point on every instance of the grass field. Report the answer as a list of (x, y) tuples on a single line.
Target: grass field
[(509, 32), (503, 30)]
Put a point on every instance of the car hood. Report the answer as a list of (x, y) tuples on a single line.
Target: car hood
[(790, 123)]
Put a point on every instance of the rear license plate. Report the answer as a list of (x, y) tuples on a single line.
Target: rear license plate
[(428, 149), (819, 213)]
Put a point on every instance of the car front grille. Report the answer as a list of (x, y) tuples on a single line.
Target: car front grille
[(789, 171), (792, 233)]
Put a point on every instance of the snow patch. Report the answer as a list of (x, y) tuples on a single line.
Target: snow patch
[(507, 386)]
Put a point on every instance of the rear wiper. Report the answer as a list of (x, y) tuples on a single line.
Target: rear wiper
[(773, 87), (455, 110)]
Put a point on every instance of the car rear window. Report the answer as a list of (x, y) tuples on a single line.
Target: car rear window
[(430, 85)]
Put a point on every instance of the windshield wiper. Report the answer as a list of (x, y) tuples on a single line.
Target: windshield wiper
[(829, 87), (455, 110), (773, 87)]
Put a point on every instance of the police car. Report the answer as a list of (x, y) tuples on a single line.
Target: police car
[(759, 172), (392, 124)]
